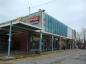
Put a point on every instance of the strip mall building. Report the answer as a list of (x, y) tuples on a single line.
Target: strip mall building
[(36, 32)]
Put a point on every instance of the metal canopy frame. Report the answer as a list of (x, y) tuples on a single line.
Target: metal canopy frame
[(12, 26), (17, 27)]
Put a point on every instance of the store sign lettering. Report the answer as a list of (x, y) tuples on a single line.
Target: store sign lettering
[(34, 19)]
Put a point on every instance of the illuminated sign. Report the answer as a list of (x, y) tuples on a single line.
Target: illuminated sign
[(34, 19)]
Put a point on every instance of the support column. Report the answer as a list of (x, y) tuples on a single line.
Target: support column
[(40, 44), (27, 42), (60, 43), (70, 43), (9, 40), (27, 46), (65, 43), (52, 42)]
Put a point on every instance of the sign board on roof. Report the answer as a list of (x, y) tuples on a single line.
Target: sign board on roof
[(34, 19)]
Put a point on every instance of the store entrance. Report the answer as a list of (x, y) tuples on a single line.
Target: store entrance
[(20, 41)]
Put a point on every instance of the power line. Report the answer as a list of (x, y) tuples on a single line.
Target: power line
[(31, 7), (51, 1)]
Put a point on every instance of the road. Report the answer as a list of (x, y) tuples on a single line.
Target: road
[(75, 56)]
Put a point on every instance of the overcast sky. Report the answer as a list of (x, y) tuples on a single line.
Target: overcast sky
[(70, 12)]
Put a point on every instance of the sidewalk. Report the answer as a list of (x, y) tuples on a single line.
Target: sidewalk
[(45, 58)]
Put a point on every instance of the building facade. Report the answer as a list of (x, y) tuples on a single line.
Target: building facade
[(36, 32)]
